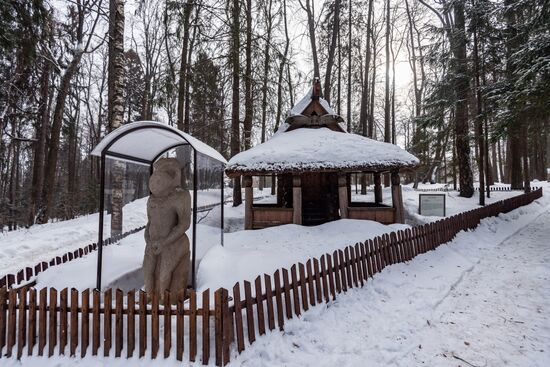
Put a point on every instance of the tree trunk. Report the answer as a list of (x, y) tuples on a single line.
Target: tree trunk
[(14, 178), (349, 69), (280, 85), (248, 102), (495, 164), (51, 167), (416, 138), (183, 66), (267, 61), (417, 92), (40, 148), (387, 103), (115, 106), (311, 27), (290, 86), (235, 130), (454, 164), (364, 115), (501, 163), (265, 81), (514, 126), (479, 121), (461, 105), (393, 124), (371, 133), (281, 73), (331, 50), (548, 149), (145, 99), (187, 103), (71, 166), (387, 107), (525, 150)]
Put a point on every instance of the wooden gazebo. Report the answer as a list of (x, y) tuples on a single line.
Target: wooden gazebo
[(313, 157)]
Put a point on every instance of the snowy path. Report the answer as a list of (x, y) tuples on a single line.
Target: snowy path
[(500, 307), (483, 300)]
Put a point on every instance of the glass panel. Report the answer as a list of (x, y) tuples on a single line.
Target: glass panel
[(210, 197), (125, 215), (127, 185)]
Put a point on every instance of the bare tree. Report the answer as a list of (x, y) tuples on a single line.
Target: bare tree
[(235, 65), (267, 60), (248, 102), (116, 105), (152, 35), (187, 9), (81, 38), (478, 119), (350, 46), (364, 115), (332, 50), (387, 107), (310, 13), (284, 62), (42, 127)]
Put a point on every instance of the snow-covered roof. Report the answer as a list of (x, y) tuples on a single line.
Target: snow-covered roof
[(144, 141), (306, 100), (322, 149)]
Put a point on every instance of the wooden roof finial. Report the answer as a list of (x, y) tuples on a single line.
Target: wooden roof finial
[(316, 91)]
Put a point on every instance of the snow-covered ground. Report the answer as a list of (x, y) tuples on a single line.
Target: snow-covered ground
[(28, 246), (481, 300), (266, 249), (42, 242), (245, 254), (453, 202)]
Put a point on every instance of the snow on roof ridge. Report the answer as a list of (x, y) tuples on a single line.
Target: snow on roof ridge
[(302, 104)]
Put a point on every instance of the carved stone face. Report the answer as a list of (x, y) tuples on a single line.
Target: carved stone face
[(166, 177)]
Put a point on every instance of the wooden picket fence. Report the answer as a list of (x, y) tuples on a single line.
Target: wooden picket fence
[(492, 189), (48, 322)]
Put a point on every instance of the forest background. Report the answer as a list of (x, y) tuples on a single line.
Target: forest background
[(462, 84)]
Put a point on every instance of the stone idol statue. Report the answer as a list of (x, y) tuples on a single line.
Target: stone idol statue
[(166, 261)]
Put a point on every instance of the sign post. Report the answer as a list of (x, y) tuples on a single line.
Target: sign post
[(431, 205)]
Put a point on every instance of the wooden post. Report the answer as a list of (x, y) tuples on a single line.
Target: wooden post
[(343, 195), (397, 197), (192, 325), (238, 317), (248, 199), (226, 327), (297, 200), (205, 313), (377, 188), (32, 321), (218, 327)]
